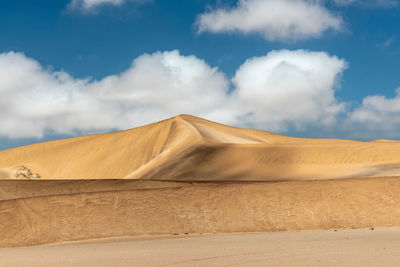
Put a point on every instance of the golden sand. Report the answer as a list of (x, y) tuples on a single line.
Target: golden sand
[(188, 176), (188, 148)]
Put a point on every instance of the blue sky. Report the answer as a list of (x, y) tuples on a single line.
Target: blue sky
[(90, 40)]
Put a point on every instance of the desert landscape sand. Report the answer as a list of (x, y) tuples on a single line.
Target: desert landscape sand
[(188, 148), (41, 212), (363, 247), (186, 177)]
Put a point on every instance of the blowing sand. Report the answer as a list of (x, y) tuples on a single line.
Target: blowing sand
[(364, 247)]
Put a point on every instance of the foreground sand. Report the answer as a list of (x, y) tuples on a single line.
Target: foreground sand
[(380, 247)]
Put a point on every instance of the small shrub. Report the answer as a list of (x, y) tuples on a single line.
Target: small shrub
[(26, 173)]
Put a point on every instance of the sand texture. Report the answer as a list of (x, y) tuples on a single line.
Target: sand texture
[(189, 176), (187, 148), (380, 247), (57, 211)]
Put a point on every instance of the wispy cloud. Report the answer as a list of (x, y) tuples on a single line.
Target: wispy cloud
[(94, 5), (388, 42), (368, 3)]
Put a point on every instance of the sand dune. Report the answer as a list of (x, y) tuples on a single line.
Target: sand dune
[(187, 148), (187, 175)]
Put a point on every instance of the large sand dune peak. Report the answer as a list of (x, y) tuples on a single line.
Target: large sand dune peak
[(190, 148)]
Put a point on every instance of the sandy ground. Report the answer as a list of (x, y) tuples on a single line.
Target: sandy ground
[(365, 247)]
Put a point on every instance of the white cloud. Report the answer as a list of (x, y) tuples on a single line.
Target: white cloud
[(272, 92), (287, 88), (273, 19), (90, 5), (377, 116), (33, 100)]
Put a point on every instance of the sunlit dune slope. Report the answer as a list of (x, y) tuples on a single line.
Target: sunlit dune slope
[(190, 148)]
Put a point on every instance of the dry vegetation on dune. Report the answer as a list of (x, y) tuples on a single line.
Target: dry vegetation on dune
[(189, 175)]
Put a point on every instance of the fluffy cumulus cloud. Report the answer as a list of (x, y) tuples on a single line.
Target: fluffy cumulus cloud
[(376, 116), (273, 19), (90, 5), (33, 100), (271, 92), (289, 87)]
